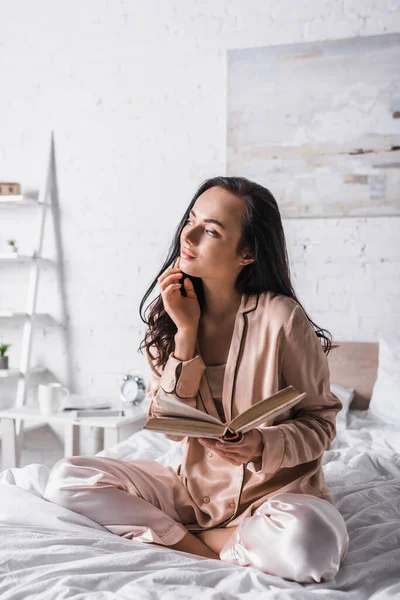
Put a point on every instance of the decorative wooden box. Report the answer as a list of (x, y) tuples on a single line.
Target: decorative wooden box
[(9, 189)]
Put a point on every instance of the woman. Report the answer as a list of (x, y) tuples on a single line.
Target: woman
[(227, 331)]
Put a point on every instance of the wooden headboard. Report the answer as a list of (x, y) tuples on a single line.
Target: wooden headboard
[(355, 365)]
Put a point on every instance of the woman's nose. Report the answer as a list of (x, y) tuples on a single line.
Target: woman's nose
[(190, 238)]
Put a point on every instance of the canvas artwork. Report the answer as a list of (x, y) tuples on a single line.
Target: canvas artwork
[(319, 125)]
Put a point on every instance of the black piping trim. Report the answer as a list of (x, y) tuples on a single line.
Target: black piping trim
[(237, 362), (167, 391), (178, 372), (238, 502), (182, 397), (258, 296), (201, 398), (178, 368), (224, 523), (173, 391)]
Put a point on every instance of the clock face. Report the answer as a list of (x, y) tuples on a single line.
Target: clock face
[(129, 390)]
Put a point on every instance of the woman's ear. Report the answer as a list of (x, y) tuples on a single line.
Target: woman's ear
[(246, 259)]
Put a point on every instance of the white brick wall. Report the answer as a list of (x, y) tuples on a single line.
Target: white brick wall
[(136, 93)]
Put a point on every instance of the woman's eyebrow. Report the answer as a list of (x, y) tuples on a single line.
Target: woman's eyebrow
[(210, 220)]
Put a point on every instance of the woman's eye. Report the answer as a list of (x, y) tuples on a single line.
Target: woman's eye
[(207, 230)]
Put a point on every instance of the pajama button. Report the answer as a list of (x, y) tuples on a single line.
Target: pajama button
[(232, 505), (206, 499), (209, 454)]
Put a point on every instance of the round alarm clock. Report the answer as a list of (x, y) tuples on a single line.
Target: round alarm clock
[(133, 388)]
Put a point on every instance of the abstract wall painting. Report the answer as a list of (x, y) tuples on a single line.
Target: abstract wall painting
[(319, 125)]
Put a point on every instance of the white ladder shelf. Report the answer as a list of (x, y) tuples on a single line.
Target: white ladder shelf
[(37, 261)]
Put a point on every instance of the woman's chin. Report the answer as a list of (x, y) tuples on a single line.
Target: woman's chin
[(186, 264)]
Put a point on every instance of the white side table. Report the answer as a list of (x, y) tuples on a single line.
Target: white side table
[(116, 429)]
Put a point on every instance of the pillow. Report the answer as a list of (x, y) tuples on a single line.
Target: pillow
[(345, 396), (385, 399)]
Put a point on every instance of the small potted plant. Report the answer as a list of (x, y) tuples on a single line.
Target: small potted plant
[(11, 243), (3, 358)]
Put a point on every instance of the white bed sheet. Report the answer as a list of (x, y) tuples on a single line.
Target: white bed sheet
[(49, 552)]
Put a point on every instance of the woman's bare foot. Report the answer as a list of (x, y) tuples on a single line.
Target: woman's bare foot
[(216, 538)]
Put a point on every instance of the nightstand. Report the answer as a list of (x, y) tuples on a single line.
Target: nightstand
[(116, 429)]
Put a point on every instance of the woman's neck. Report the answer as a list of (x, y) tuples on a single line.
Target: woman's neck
[(220, 304)]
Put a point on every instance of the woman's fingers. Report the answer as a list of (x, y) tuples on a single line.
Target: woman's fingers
[(188, 285), (171, 278), (167, 273), (170, 270), (170, 274), (171, 288), (227, 451), (234, 447), (180, 301)]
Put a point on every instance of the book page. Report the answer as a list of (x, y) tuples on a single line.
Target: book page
[(259, 420), (185, 426), (169, 407), (267, 408)]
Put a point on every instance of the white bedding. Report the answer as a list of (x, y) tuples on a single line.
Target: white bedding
[(48, 552)]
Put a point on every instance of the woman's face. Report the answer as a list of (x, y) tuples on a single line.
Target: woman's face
[(213, 244)]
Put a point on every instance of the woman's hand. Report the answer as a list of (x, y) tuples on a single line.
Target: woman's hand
[(183, 310), (248, 449)]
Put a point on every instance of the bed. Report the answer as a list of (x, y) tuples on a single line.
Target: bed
[(49, 552)]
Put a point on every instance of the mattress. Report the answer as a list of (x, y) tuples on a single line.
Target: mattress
[(47, 551)]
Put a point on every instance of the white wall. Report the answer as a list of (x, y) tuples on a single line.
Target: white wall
[(136, 95)]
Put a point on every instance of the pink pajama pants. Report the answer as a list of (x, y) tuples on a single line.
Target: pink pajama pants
[(294, 536)]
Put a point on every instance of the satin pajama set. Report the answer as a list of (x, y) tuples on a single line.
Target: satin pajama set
[(290, 530)]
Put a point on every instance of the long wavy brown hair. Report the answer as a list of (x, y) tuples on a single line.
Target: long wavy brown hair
[(261, 234)]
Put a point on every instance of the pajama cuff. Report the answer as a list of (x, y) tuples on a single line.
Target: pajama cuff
[(273, 453), (174, 535), (182, 377)]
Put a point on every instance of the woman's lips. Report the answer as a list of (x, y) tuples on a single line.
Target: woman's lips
[(186, 255)]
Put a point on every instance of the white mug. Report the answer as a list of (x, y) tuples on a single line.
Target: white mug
[(51, 396)]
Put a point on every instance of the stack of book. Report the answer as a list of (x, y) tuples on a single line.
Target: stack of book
[(91, 407)]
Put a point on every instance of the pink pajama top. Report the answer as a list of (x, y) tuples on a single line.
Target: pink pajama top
[(273, 345)]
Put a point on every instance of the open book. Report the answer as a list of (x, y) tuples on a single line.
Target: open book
[(178, 418)]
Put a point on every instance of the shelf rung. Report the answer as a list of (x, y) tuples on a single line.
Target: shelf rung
[(17, 200), (14, 258), (23, 315), (9, 373), (31, 427)]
